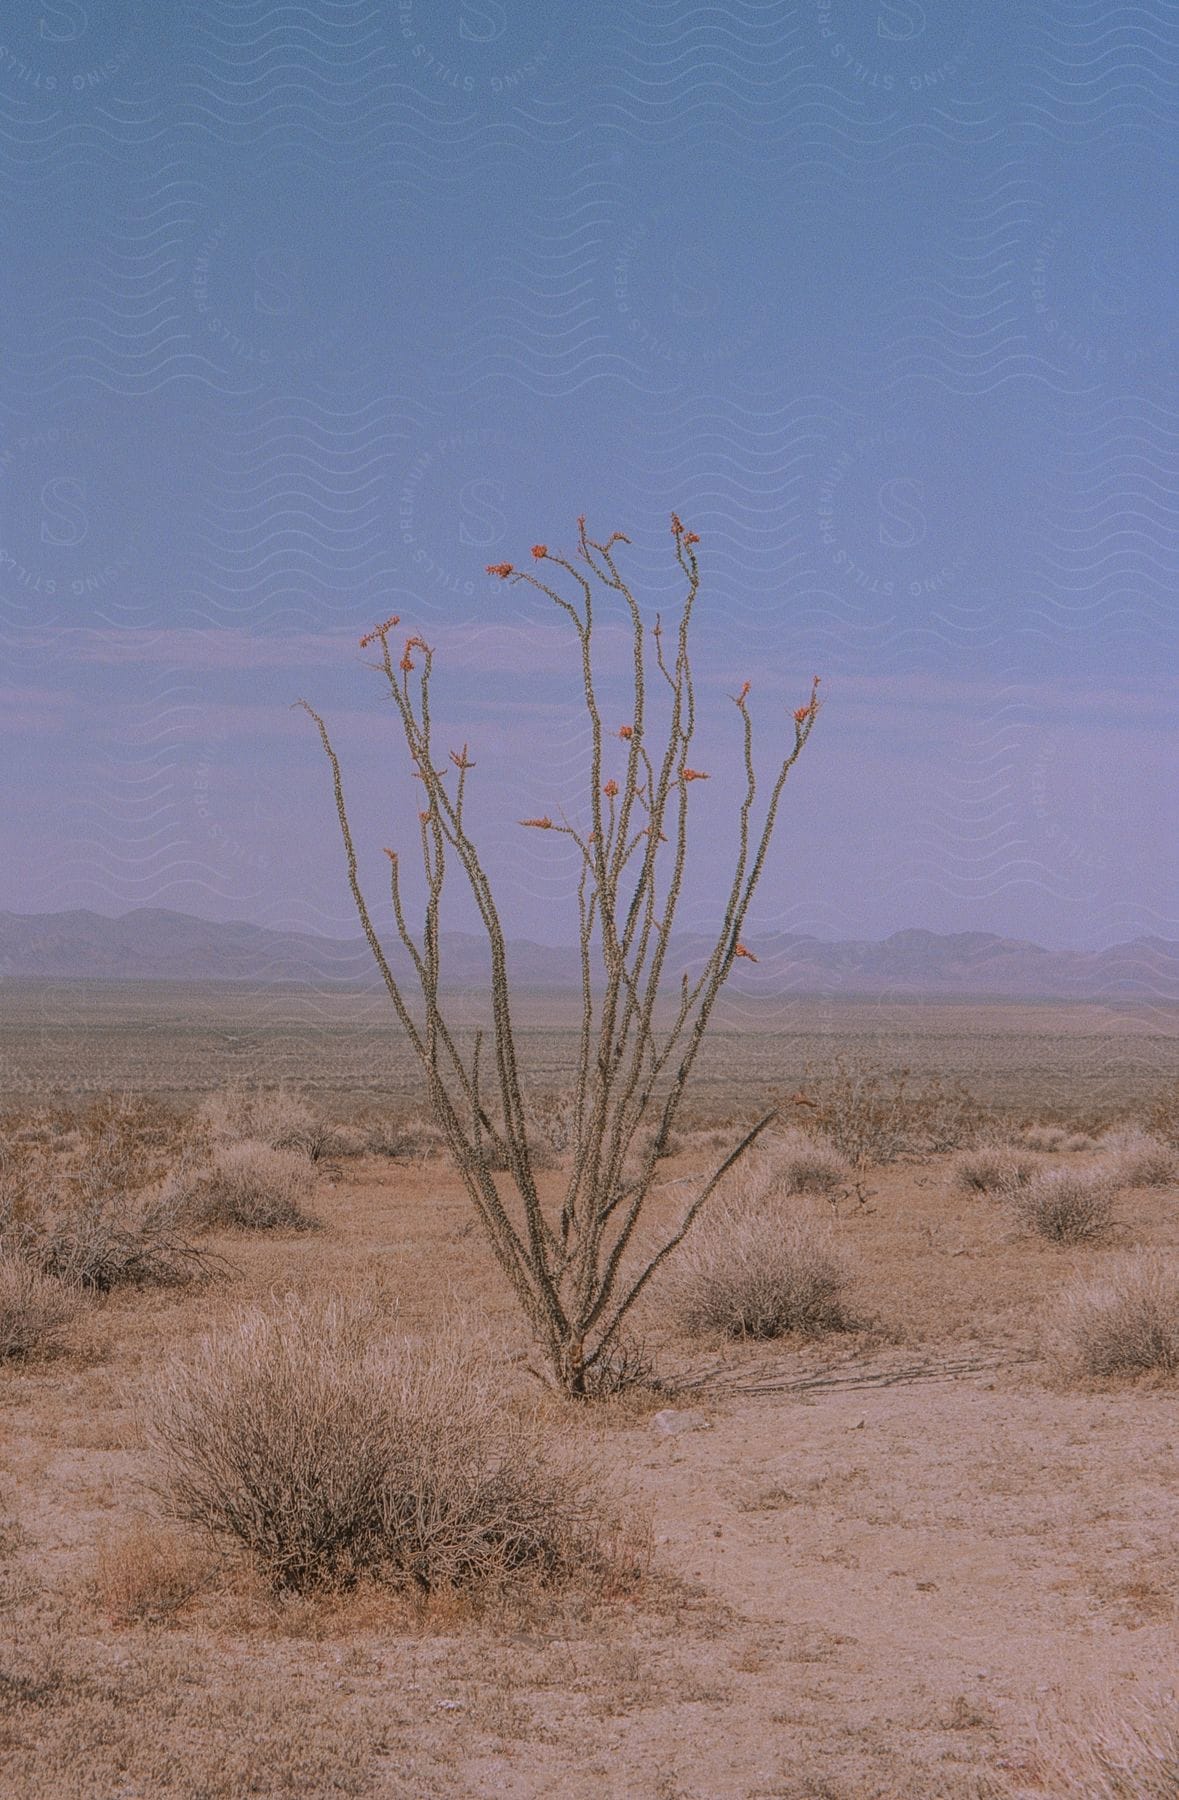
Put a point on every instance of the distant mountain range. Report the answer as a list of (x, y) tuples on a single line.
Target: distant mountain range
[(153, 944)]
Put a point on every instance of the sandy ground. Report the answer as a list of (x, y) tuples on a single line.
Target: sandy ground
[(875, 1586)]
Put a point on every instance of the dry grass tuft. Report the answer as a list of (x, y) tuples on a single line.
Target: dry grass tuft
[(1125, 1324), (992, 1169), (801, 1164), (146, 1576), (1111, 1758), (276, 1118), (35, 1310), (255, 1188), (329, 1450), (1138, 1158), (749, 1272), (1067, 1206)]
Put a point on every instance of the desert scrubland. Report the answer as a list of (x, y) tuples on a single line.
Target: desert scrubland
[(878, 1499)]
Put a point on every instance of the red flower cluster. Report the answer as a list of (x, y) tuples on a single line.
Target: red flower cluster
[(677, 525), (626, 731), (696, 775), (742, 951), (503, 570), (540, 551), (610, 789), (691, 537)]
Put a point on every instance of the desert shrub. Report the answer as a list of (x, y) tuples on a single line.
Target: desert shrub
[(1066, 1206), (1162, 1116), (1126, 1323), (873, 1115), (802, 1164), (327, 1449), (992, 1168), (402, 1140), (253, 1187), (1049, 1139), (1137, 1158), (34, 1309), (85, 1230), (749, 1271), (276, 1118)]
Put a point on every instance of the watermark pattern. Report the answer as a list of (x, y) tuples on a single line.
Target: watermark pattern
[(454, 505), (882, 515), (479, 48), (678, 311), (897, 48), (1073, 807), (62, 519), (63, 52), (261, 303), (1096, 302), (231, 849)]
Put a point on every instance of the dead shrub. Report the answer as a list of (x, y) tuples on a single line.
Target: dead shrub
[(253, 1187), (749, 1272), (1066, 1206), (276, 1117), (1125, 1324), (801, 1164), (1104, 1756), (874, 1116), (146, 1576), (35, 1310), (1137, 1158), (102, 1240), (405, 1140), (991, 1169), (329, 1450)]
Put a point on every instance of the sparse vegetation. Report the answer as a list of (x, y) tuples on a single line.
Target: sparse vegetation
[(148, 1575), (874, 1115), (752, 1272), (276, 1118), (1138, 1158), (35, 1310), (1125, 1324), (328, 1449), (992, 1169), (1067, 1206), (802, 1164), (1111, 1756), (253, 1187)]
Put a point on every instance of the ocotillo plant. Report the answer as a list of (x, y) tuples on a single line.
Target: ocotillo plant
[(574, 1265)]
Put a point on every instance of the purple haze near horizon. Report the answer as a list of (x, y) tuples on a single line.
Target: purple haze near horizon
[(315, 310)]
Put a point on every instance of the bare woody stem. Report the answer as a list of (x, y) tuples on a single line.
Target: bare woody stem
[(574, 1264)]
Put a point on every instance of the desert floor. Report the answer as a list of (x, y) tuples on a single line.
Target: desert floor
[(883, 1561)]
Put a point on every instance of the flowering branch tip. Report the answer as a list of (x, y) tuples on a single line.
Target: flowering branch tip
[(379, 632)]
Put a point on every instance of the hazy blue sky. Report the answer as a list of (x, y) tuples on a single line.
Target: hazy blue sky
[(312, 310)]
